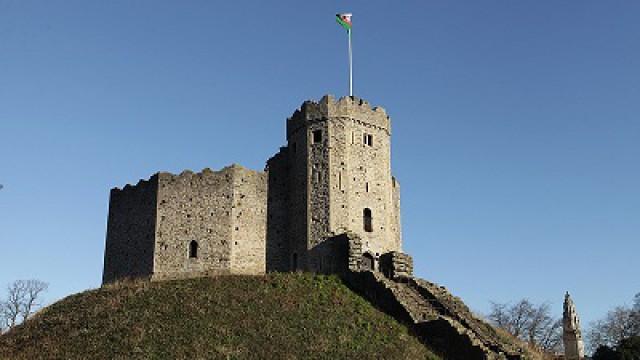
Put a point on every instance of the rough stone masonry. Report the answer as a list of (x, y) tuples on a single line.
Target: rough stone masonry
[(332, 177)]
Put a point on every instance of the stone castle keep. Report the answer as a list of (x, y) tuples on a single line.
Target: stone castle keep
[(332, 178), (326, 203)]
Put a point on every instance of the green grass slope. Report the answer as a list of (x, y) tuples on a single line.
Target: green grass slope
[(279, 316)]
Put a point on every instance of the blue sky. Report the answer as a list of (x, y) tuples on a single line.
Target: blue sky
[(516, 127)]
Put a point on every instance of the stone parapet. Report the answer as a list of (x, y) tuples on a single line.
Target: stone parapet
[(348, 107), (396, 265)]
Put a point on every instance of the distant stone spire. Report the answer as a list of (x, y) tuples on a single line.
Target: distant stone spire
[(571, 335)]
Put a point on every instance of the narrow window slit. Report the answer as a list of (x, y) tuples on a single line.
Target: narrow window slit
[(367, 220)]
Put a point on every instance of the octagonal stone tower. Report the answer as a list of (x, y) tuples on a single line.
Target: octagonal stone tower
[(334, 176)]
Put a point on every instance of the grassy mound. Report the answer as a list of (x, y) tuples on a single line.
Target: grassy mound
[(279, 316)]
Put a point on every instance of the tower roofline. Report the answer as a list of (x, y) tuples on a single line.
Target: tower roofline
[(345, 107)]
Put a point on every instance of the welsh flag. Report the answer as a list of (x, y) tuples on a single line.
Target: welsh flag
[(344, 20)]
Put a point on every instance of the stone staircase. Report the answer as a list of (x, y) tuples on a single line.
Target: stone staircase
[(410, 298), (438, 318)]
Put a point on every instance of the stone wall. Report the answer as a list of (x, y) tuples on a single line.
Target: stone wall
[(396, 223), (249, 221), (318, 202), (278, 252), (396, 265), (339, 178), (369, 186), (129, 247), (194, 207), (298, 192)]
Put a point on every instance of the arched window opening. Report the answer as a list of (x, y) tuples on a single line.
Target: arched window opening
[(193, 249), (367, 219)]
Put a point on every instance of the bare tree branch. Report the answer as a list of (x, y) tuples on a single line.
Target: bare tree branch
[(14, 304), (33, 290), (531, 323), (620, 323), (22, 300)]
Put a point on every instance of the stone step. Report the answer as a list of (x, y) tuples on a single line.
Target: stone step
[(426, 302)]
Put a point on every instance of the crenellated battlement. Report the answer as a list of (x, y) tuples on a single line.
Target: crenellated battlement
[(205, 173), (141, 185), (184, 175), (348, 107)]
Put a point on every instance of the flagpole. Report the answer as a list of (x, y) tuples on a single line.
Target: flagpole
[(350, 66)]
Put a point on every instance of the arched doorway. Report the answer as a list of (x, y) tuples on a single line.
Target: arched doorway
[(367, 262)]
